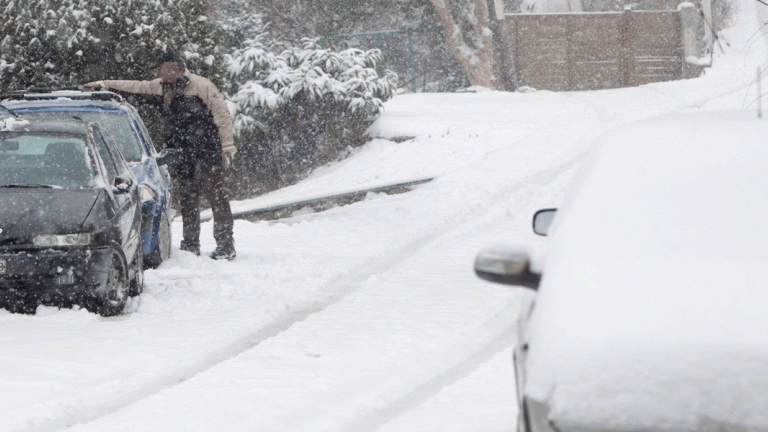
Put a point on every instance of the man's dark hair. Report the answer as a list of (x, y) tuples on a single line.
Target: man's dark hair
[(169, 57)]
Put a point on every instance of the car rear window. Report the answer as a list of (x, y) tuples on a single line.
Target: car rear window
[(44, 159)]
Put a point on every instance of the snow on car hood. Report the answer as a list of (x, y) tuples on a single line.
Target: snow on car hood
[(653, 307), (25, 213)]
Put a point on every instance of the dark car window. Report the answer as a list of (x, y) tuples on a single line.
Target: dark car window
[(117, 125), (44, 159), (123, 134), (106, 156)]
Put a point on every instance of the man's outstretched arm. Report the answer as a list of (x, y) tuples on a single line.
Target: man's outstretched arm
[(154, 87)]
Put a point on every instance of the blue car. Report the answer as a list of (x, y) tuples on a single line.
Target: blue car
[(121, 120)]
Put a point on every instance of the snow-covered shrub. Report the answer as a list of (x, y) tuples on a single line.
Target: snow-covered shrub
[(304, 106), (68, 42)]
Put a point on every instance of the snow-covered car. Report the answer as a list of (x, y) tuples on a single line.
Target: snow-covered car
[(650, 310), (70, 218), (123, 123)]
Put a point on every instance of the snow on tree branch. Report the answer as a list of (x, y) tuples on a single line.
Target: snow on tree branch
[(266, 81)]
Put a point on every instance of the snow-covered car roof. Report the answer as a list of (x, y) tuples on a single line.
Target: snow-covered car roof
[(65, 100), (73, 94), (653, 310)]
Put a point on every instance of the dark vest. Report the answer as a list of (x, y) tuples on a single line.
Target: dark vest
[(189, 126)]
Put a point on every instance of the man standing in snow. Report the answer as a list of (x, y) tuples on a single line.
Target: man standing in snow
[(198, 130)]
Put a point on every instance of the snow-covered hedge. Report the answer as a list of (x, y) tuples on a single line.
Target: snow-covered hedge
[(304, 106), (69, 42)]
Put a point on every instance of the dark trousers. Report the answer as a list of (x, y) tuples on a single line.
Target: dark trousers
[(208, 181)]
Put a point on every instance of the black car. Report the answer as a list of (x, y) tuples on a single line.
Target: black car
[(123, 123), (70, 218)]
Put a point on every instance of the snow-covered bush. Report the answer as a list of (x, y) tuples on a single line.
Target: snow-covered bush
[(69, 42), (304, 106)]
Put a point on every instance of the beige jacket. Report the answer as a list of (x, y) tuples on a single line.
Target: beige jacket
[(198, 86)]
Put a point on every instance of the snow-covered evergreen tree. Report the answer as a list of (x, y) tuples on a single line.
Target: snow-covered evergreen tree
[(436, 69), (303, 106), (69, 42), (238, 25), (203, 45), (297, 19)]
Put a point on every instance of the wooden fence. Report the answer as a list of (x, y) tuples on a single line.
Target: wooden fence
[(589, 51)]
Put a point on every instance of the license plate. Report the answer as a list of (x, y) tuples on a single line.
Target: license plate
[(2, 266)]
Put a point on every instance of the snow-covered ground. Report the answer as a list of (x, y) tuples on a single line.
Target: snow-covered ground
[(363, 317)]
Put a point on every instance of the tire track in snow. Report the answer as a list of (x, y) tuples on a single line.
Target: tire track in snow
[(504, 334), (505, 338)]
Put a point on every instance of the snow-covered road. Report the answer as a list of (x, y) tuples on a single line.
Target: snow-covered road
[(363, 317)]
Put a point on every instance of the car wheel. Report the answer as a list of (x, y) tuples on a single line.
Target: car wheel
[(115, 295), (162, 249), (137, 283)]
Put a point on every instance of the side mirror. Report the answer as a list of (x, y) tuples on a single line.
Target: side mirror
[(122, 185), (542, 220), (506, 267)]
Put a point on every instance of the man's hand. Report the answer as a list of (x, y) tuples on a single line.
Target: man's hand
[(227, 161), (95, 85)]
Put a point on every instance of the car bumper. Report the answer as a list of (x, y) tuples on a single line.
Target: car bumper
[(54, 273)]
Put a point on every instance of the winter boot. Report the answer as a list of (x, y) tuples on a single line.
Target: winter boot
[(226, 252), (185, 246)]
